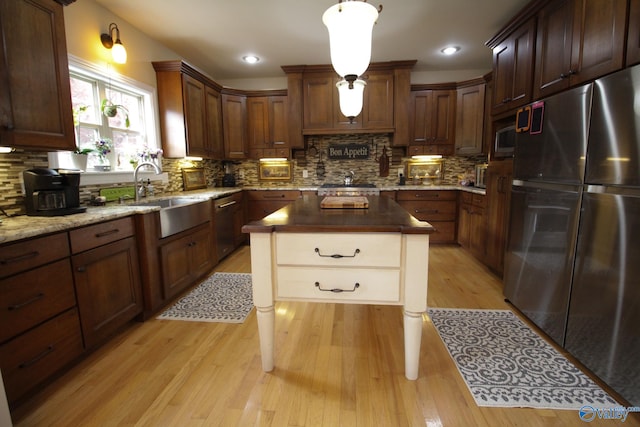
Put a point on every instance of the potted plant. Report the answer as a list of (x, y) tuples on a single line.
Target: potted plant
[(103, 147), (109, 109), (79, 158)]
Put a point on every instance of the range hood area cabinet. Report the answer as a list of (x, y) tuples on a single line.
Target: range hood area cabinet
[(35, 94), (314, 104), (190, 106)]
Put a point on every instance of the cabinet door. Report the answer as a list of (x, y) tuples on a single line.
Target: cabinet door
[(444, 117), (633, 35), (318, 91), (513, 69), (278, 122), (176, 271), (464, 225), (422, 106), (201, 252), (258, 122), (470, 120), (35, 94), (598, 38), (498, 180), (553, 48), (377, 111), (108, 288), (195, 116), (234, 111), (215, 142)]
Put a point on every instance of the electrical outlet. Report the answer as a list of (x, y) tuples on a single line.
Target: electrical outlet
[(241, 173), (305, 173), (400, 171)]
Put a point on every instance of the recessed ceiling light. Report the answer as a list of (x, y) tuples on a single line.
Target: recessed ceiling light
[(450, 50), (250, 59)]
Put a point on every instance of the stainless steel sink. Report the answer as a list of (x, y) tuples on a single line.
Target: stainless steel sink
[(179, 213)]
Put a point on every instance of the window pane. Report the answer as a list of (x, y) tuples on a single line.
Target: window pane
[(87, 137), (129, 106), (83, 100)]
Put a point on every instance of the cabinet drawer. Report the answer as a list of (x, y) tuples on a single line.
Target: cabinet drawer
[(34, 356), (32, 297), (431, 211), (17, 257), (339, 249), (93, 236), (373, 285), (274, 195), (426, 195)]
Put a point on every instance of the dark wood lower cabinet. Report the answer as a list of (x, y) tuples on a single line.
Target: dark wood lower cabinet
[(185, 259), (108, 288), (472, 224), (34, 356)]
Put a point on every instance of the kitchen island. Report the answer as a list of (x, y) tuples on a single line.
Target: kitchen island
[(373, 255)]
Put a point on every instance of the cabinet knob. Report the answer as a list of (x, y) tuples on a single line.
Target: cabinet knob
[(82, 269)]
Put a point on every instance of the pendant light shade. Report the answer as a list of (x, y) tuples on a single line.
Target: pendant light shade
[(350, 25), (351, 96)]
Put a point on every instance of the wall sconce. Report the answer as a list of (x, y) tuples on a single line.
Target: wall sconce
[(351, 95), (118, 52)]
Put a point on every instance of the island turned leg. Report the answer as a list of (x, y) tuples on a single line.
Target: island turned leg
[(262, 284), (266, 330), (412, 338)]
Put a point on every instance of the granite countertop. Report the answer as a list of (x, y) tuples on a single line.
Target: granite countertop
[(22, 227)]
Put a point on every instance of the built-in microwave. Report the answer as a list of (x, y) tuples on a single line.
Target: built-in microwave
[(505, 142)]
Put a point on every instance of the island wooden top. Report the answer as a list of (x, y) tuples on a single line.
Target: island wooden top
[(306, 216)]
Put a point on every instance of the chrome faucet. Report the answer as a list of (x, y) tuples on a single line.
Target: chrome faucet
[(135, 177)]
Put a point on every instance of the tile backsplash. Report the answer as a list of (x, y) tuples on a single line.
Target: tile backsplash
[(246, 172)]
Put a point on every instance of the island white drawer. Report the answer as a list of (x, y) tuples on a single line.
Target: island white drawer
[(339, 249), (339, 285)]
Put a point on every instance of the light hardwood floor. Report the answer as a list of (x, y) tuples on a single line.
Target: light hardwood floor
[(336, 365)]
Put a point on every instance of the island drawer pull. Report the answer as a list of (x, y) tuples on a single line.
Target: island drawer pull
[(338, 290), (356, 252), (19, 305), (271, 196)]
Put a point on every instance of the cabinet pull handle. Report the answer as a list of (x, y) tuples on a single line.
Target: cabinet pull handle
[(279, 196), (82, 268), (356, 252), (44, 353), (432, 211), (338, 290), (25, 303), (107, 233), (226, 205), (19, 258)]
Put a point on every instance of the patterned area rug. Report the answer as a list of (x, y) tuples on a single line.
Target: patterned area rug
[(506, 364), (223, 297)]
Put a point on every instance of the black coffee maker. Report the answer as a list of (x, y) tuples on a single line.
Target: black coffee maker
[(50, 192)]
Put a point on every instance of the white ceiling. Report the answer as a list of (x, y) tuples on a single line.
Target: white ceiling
[(214, 35)]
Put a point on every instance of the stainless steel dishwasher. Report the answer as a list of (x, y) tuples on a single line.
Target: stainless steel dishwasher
[(225, 208)]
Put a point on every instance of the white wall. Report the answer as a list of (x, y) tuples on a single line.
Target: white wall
[(85, 20)]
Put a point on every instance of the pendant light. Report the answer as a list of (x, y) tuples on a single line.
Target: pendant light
[(350, 26), (351, 95)]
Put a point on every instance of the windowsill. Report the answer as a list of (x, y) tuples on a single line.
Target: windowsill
[(119, 177)]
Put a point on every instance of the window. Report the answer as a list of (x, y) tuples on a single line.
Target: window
[(127, 135)]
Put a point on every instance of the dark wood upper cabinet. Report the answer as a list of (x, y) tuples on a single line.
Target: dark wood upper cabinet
[(268, 126), (35, 93), (578, 41), (234, 113), (470, 119), (633, 35), (190, 106), (513, 68)]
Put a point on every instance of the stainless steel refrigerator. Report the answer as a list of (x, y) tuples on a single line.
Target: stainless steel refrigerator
[(546, 194), (603, 329)]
